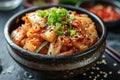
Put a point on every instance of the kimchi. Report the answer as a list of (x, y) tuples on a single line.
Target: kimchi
[(55, 31)]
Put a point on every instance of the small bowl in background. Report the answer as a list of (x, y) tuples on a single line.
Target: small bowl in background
[(114, 3), (55, 67), (31, 3)]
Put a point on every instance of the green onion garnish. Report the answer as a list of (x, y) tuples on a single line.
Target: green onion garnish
[(61, 14), (71, 16), (70, 26), (59, 29), (72, 32), (59, 32), (52, 17), (41, 46), (43, 13), (58, 26)]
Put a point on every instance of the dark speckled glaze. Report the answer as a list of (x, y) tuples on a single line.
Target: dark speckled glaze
[(114, 3), (54, 67)]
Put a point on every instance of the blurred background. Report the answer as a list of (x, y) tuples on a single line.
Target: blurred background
[(12, 4)]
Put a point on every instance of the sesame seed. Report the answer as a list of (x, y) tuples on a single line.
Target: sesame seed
[(76, 36), (61, 38), (92, 72), (95, 57), (115, 64), (103, 56), (110, 72), (94, 79), (85, 28), (118, 72), (101, 72), (90, 76), (103, 61), (84, 74), (98, 75), (97, 68), (98, 62), (105, 76), (86, 35)]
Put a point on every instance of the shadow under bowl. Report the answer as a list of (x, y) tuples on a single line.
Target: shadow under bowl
[(55, 67), (114, 3)]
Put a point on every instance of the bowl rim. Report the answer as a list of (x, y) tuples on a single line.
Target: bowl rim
[(32, 54), (114, 3)]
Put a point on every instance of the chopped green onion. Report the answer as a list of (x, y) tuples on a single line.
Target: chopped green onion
[(58, 26), (70, 26), (72, 32), (64, 22), (51, 20), (56, 15), (61, 14), (71, 16), (52, 17), (43, 13), (41, 46), (54, 9), (40, 14), (59, 32), (59, 29), (46, 13)]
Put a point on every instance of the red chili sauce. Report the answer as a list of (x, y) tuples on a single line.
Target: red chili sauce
[(105, 12)]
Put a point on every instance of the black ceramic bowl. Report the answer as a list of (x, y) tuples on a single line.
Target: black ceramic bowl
[(55, 66), (114, 3)]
